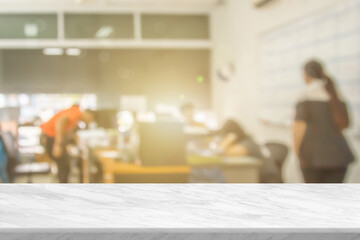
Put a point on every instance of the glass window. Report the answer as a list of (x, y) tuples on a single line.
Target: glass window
[(24, 26), (174, 26), (99, 26)]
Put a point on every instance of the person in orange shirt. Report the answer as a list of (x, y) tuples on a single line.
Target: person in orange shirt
[(55, 131)]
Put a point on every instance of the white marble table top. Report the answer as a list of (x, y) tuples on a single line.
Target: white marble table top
[(182, 207)]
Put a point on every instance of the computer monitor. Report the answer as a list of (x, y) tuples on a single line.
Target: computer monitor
[(162, 144), (106, 118)]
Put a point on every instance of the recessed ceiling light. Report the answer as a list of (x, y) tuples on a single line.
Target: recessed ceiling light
[(53, 51), (73, 51)]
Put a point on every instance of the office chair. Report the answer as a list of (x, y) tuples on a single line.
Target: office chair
[(3, 163), (25, 167), (278, 153), (9, 147)]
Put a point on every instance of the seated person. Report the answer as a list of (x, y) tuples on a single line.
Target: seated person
[(235, 142)]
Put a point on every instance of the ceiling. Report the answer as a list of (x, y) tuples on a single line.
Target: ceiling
[(117, 4)]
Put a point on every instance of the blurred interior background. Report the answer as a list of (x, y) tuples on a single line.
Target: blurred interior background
[(145, 67)]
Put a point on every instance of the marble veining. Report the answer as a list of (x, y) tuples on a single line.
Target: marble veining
[(181, 236), (179, 211)]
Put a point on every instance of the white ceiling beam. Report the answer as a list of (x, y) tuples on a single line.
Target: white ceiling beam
[(107, 44), (105, 5), (172, 11)]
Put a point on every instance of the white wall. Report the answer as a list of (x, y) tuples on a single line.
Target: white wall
[(236, 30)]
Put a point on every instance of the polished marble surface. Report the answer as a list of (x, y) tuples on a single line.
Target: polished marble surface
[(180, 209)]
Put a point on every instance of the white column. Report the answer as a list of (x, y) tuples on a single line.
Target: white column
[(61, 26), (137, 25)]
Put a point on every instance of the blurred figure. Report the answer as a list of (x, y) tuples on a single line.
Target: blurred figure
[(187, 111), (3, 164), (56, 131), (317, 132), (3, 161), (236, 142)]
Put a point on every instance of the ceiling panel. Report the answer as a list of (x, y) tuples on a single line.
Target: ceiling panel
[(144, 3)]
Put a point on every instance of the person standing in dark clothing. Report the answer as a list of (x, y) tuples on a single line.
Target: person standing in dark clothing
[(320, 118)]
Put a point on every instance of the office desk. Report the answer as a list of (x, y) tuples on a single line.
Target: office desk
[(236, 169), (242, 169), (112, 167), (179, 211)]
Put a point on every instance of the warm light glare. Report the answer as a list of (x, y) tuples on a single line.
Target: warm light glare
[(125, 121)]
